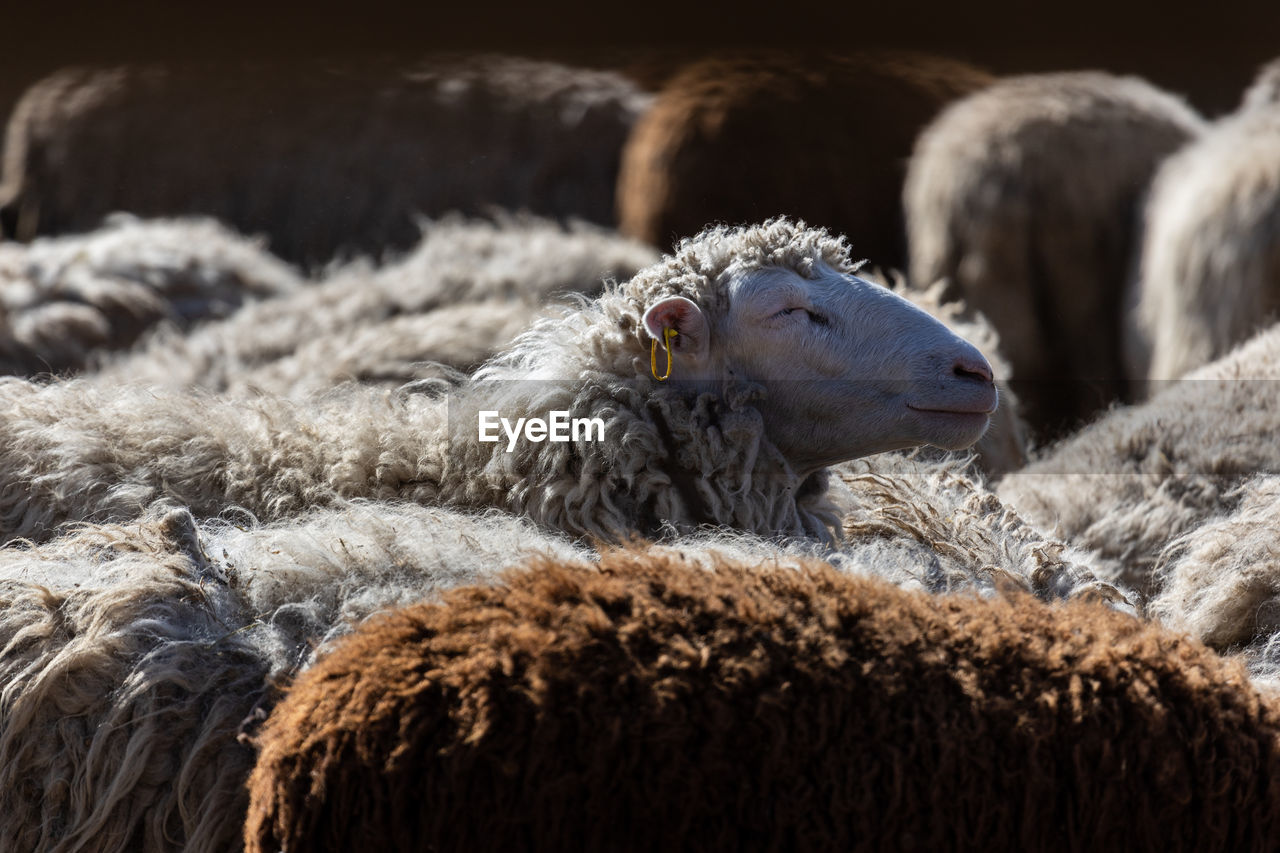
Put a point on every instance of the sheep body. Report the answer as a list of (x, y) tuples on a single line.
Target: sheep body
[(648, 703), (325, 159), (1025, 197), (455, 299), (132, 656), (672, 460), (80, 451), (822, 138), (66, 302), (1221, 580), (1136, 479), (1211, 250), (119, 709)]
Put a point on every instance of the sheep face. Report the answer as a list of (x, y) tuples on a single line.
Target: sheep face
[(850, 368)]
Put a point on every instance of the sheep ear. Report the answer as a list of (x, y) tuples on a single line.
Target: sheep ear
[(683, 315)]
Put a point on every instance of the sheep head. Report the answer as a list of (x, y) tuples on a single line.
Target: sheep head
[(849, 367)]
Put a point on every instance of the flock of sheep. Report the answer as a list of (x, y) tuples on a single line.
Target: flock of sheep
[(263, 585)]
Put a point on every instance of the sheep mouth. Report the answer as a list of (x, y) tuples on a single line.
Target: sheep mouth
[(959, 403), (977, 411)]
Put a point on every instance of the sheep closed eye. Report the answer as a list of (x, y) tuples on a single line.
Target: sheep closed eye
[(814, 317)]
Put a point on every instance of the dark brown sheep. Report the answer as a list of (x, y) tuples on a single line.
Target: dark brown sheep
[(325, 159), (647, 704), (825, 139)]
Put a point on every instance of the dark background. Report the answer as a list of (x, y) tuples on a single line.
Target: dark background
[(1207, 51)]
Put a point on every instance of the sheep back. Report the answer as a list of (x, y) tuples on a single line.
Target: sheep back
[(325, 159), (1221, 581), (123, 685), (464, 291), (1133, 481), (134, 656), (66, 302), (822, 138), (1210, 263), (647, 704)]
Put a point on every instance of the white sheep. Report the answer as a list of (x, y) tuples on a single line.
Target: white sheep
[(1209, 275), (134, 657), (325, 158), (460, 297), (1132, 482), (67, 302), (462, 294), (1024, 196), (782, 362)]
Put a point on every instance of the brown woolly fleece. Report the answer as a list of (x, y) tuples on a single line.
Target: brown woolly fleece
[(743, 137), (650, 705)]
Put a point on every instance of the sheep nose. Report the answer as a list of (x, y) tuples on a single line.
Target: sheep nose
[(972, 365)]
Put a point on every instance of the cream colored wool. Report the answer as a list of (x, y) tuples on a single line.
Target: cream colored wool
[(120, 701), (443, 344), (132, 656), (1221, 580), (1210, 263), (1132, 482), (67, 302), (932, 524), (925, 524), (455, 299)]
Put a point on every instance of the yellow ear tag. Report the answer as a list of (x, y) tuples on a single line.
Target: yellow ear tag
[(667, 335)]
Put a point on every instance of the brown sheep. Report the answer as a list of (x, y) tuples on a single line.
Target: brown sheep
[(744, 137), (1026, 197), (324, 159), (650, 705)]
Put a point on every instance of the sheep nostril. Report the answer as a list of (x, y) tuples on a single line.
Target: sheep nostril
[(975, 369)]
